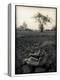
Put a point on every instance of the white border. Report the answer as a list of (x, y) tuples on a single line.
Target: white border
[(13, 40), (13, 44)]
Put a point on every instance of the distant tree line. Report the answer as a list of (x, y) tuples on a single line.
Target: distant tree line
[(23, 27)]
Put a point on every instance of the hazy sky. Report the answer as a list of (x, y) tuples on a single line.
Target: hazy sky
[(25, 14)]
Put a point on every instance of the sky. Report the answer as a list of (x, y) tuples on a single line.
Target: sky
[(25, 14)]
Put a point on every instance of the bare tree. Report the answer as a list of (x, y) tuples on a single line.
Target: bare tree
[(21, 28), (42, 20), (24, 25)]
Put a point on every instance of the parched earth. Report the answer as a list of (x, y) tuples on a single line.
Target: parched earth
[(30, 42)]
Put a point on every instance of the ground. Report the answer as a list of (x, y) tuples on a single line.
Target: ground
[(28, 42)]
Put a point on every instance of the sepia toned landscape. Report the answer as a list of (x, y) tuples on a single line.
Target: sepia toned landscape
[(35, 40)]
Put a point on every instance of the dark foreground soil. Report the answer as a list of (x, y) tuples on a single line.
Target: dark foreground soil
[(27, 42)]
